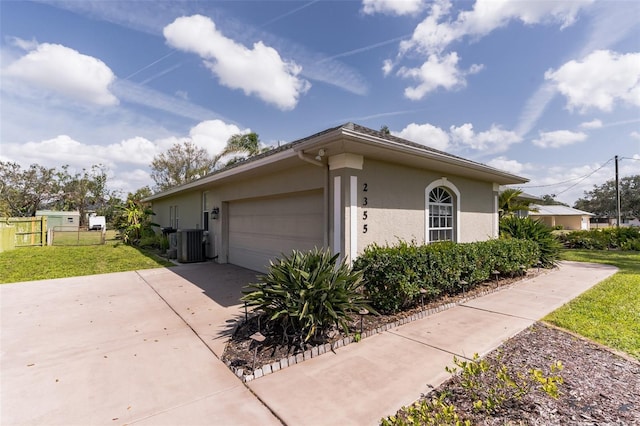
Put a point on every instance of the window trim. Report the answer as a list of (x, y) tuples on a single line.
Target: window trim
[(444, 183)]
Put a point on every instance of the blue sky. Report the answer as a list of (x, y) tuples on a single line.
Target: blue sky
[(549, 90)]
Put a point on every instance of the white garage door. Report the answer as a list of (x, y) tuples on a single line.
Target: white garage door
[(262, 229)]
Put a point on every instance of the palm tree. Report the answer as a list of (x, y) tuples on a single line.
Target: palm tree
[(241, 146), (509, 203)]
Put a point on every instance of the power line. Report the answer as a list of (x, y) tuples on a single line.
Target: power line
[(570, 180), (562, 192)]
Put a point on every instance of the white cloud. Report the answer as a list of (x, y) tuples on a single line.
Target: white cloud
[(129, 181), (436, 72), (65, 71), (593, 124), (635, 135), (599, 80), (258, 71), (559, 138), (212, 135), (493, 140), (438, 31), (392, 7), (425, 134), (433, 36), (609, 23), (136, 151), (387, 67), (512, 166)]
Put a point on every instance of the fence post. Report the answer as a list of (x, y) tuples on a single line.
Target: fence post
[(43, 231)]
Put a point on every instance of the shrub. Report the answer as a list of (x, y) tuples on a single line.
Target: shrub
[(529, 229), (394, 275), (602, 239), (306, 293), (434, 411)]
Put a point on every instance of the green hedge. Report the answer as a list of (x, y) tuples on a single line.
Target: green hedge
[(394, 275), (602, 239)]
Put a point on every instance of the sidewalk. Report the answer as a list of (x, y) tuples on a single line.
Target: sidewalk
[(364, 382)]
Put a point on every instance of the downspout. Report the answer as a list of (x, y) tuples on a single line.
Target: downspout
[(311, 160)]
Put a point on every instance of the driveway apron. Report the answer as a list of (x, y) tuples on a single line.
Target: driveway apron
[(107, 349)]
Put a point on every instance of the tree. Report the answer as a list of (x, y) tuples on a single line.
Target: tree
[(140, 194), (601, 200), (550, 200), (385, 130), (509, 203), (182, 163), (241, 146), (22, 192), (83, 191), (185, 162), (135, 222)]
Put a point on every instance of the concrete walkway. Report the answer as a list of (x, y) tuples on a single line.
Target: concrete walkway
[(143, 348), (363, 382)]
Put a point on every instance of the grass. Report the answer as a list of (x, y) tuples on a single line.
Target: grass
[(608, 313), (37, 263), (79, 238)]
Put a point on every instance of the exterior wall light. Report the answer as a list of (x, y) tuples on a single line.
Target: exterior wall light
[(215, 213)]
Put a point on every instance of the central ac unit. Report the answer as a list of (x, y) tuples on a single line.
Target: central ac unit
[(190, 247)]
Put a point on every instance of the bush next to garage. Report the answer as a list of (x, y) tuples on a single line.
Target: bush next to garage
[(394, 275), (304, 294)]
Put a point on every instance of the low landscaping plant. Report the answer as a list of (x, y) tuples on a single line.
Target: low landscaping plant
[(394, 276), (528, 229), (304, 294), (485, 385), (625, 238)]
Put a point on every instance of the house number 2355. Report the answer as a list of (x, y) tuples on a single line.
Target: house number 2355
[(365, 214)]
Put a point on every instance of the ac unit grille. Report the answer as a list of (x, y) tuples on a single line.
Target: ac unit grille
[(190, 248)]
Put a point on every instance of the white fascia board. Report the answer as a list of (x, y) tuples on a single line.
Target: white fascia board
[(442, 157), (216, 176)]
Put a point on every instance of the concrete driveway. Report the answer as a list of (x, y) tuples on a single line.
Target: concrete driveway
[(143, 348), (109, 349)]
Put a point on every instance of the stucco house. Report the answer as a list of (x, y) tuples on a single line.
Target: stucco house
[(567, 217), (343, 188)]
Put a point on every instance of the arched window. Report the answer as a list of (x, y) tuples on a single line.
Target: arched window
[(441, 219)]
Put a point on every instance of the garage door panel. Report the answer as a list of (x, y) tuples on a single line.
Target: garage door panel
[(264, 229)]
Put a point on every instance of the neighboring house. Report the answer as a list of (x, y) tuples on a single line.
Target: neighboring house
[(344, 188), (567, 217), (607, 222)]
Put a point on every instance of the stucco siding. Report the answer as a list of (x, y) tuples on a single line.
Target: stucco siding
[(395, 204), (189, 210), (278, 184)]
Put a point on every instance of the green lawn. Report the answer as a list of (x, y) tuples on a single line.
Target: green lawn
[(608, 313), (37, 263)]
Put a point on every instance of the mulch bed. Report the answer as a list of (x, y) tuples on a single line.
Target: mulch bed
[(244, 353), (600, 387)]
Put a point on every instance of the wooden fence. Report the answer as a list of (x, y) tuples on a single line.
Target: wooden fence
[(28, 231)]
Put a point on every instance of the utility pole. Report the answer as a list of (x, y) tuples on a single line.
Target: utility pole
[(617, 195)]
